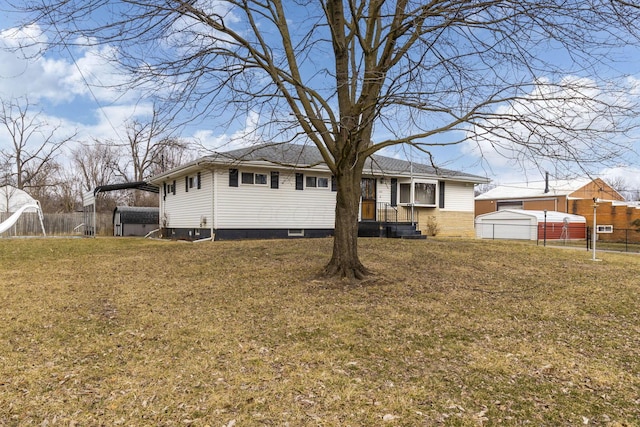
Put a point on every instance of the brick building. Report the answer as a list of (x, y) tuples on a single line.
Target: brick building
[(570, 196), (554, 195)]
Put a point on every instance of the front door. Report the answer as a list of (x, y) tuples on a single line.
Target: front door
[(368, 206)]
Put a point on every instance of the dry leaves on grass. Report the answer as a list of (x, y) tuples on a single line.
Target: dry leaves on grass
[(135, 332)]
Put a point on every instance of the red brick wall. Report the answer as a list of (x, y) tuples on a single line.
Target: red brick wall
[(621, 217)]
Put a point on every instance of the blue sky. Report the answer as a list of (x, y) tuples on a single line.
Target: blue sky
[(71, 89)]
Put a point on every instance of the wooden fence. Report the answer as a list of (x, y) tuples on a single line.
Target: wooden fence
[(59, 224)]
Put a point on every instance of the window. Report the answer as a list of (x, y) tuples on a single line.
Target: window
[(509, 204), (405, 193), (334, 184), (275, 179), (423, 193), (316, 182), (299, 181), (233, 177), (171, 188), (311, 181), (247, 178), (261, 179), (250, 178)]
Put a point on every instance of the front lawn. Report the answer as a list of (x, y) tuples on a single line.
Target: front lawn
[(455, 332)]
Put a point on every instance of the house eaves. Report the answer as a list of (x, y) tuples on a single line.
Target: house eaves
[(307, 157)]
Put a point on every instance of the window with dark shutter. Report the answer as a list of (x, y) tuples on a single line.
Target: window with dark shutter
[(299, 181), (275, 179), (233, 177), (186, 184), (441, 194), (173, 187), (199, 183)]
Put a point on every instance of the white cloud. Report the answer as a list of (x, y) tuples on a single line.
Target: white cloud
[(555, 126), (26, 72), (241, 138)]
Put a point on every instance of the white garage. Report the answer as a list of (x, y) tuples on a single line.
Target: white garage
[(518, 224)]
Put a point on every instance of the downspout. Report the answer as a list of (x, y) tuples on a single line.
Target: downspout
[(212, 226)]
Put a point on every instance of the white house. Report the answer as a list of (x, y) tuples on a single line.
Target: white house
[(286, 190)]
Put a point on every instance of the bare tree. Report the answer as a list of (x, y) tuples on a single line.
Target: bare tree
[(522, 78), (623, 186), (149, 147), (483, 188), (97, 165), (32, 147)]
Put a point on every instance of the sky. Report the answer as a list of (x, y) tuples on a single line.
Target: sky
[(76, 91)]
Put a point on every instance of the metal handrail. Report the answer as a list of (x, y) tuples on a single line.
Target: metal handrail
[(391, 214)]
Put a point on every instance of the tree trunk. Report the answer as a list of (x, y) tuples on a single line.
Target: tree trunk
[(345, 262)]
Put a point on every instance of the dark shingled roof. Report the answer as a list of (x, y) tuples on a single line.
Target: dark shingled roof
[(308, 155)]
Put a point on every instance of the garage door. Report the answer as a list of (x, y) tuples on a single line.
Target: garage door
[(517, 229)]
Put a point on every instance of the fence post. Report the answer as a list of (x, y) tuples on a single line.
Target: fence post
[(588, 236)]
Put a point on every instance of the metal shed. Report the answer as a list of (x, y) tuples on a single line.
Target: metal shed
[(518, 224), (135, 221)]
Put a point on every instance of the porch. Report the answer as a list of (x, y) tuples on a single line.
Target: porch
[(391, 222)]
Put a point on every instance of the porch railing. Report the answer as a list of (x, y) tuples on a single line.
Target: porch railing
[(396, 214)]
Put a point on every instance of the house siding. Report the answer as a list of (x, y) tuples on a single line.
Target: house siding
[(458, 196), (190, 209), (251, 206)]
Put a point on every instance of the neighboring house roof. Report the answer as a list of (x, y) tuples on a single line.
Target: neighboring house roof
[(12, 199), (533, 189), (138, 215), (305, 156)]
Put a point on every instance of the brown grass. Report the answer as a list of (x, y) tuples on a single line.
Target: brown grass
[(134, 332)]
